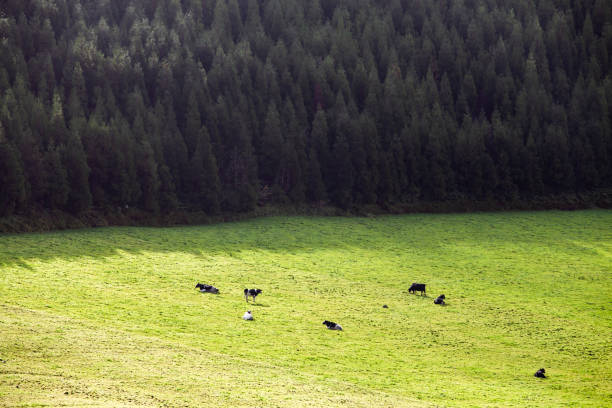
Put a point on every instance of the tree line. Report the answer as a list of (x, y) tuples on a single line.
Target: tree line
[(218, 105)]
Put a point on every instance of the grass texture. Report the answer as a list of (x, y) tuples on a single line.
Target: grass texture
[(110, 317)]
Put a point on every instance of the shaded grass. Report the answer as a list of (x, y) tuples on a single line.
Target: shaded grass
[(114, 312)]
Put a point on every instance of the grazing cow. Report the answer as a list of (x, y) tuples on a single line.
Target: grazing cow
[(540, 373), (417, 286), (251, 292), (440, 300), (247, 315), (332, 325), (207, 288), (385, 307)]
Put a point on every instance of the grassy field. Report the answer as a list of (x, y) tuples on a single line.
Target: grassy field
[(110, 317)]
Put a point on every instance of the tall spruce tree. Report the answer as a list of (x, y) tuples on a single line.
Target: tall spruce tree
[(77, 171), (271, 147), (12, 180)]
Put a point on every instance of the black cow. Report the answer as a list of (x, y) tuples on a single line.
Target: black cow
[(540, 373), (251, 292), (417, 286), (440, 300), (332, 325), (207, 288)]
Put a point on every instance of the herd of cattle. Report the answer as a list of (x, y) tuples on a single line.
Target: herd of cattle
[(415, 287), (248, 315)]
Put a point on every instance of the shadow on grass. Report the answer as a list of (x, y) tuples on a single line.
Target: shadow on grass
[(19, 262), (291, 235), (288, 235), (259, 304)]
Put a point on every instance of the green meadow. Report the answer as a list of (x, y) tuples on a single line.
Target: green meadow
[(110, 317)]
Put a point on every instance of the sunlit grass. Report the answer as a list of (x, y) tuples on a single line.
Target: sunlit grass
[(110, 317)]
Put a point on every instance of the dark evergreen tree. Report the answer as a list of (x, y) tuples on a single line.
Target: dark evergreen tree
[(342, 172), (203, 175), (146, 170), (319, 141), (271, 147), (315, 188), (77, 171), (193, 123), (435, 178), (58, 189), (12, 180)]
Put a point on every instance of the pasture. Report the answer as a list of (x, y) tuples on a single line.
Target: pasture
[(110, 317)]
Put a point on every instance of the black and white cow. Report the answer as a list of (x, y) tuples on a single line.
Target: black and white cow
[(207, 288), (251, 292), (332, 325)]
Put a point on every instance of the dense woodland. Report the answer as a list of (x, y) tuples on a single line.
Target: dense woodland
[(221, 105)]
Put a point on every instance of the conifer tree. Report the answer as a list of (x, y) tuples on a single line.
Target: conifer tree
[(315, 188), (203, 174), (319, 140), (193, 123), (167, 191), (271, 147), (342, 170), (146, 170), (77, 171), (12, 180), (435, 178), (58, 189)]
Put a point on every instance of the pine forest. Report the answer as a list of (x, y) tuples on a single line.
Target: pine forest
[(220, 106)]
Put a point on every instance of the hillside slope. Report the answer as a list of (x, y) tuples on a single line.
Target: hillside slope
[(110, 316)]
